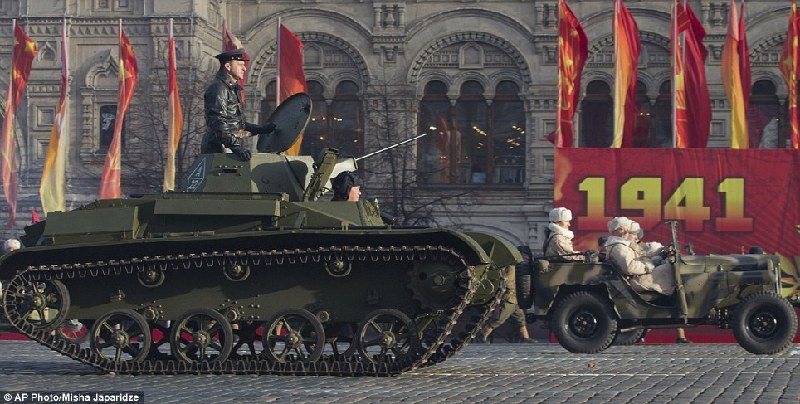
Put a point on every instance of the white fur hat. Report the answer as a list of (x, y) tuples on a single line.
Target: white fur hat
[(11, 245), (618, 222), (636, 229), (560, 215)]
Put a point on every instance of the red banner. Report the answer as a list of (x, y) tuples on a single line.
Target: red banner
[(725, 200)]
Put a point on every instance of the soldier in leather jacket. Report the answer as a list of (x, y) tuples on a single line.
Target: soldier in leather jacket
[(224, 109)]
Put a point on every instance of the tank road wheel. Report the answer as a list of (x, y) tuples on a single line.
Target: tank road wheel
[(629, 337), (583, 322), (386, 333), (764, 323), (201, 335), (293, 334), (42, 304), (121, 336)]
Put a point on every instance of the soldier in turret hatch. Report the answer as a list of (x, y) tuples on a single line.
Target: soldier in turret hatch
[(224, 109), (346, 187)]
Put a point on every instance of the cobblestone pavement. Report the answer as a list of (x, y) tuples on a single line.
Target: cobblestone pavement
[(512, 373)]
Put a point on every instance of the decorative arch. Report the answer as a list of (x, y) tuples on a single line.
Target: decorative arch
[(449, 15), (422, 57), (644, 36), (593, 75), (266, 59), (104, 70)]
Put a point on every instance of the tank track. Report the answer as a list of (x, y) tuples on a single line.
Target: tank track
[(439, 347)]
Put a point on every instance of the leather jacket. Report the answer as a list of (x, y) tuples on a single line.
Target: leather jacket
[(224, 112)]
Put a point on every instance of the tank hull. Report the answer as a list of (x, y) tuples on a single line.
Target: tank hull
[(429, 276)]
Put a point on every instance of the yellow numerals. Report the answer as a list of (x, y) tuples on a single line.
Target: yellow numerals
[(686, 203)]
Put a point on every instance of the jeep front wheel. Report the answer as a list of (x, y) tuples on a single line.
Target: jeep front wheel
[(583, 322), (764, 323)]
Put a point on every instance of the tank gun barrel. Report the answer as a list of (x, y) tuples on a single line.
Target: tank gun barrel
[(391, 146)]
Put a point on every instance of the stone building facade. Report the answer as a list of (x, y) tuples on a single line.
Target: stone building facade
[(479, 75)]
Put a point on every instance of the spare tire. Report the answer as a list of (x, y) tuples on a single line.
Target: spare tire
[(524, 285)]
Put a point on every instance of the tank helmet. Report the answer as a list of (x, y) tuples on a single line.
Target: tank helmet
[(342, 184), (560, 215)]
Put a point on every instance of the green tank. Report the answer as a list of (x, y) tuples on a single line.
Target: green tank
[(251, 269)]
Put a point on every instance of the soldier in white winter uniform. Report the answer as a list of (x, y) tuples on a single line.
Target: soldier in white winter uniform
[(559, 239), (642, 273)]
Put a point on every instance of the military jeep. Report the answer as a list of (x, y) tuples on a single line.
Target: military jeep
[(589, 304)]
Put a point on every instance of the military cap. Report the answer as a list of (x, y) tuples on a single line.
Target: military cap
[(236, 54)]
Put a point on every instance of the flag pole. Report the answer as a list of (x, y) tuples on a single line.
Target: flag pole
[(278, 63)]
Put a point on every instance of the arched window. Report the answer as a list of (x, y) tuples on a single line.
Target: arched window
[(762, 115), (315, 137), (345, 121), (507, 135), (437, 153), (476, 145), (643, 122), (661, 133), (108, 118), (472, 125), (338, 126), (597, 115)]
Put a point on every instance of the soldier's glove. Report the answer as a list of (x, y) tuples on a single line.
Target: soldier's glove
[(266, 129), (241, 152), (591, 255)]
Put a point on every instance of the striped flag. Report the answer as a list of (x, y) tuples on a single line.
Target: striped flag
[(573, 49), (290, 76), (692, 100), (790, 68), (231, 42), (736, 77), (626, 49), (128, 72), (175, 123), (51, 189), (22, 56)]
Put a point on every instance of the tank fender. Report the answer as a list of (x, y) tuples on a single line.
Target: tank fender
[(500, 250)]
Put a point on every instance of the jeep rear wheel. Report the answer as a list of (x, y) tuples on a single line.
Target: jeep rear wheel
[(583, 322), (764, 323)]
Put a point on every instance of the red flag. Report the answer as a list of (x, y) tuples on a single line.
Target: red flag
[(692, 100), (736, 77), (790, 68), (291, 77), (573, 49), (128, 72), (51, 188), (175, 123), (626, 49), (21, 60), (35, 217), (229, 43)]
